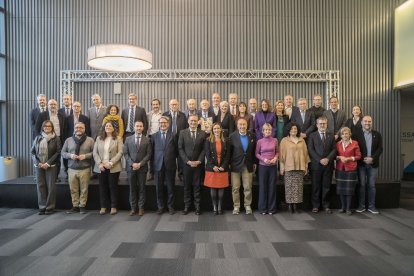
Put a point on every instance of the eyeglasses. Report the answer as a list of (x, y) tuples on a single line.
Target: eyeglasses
[(47, 126)]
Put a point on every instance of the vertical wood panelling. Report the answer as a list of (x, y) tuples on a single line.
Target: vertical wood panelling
[(353, 36)]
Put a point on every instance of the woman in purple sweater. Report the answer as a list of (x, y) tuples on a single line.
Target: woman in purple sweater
[(267, 153)]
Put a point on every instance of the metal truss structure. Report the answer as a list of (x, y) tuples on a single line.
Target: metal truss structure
[(331, 78)]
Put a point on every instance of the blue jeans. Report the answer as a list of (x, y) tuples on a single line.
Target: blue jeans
[(367, 178)]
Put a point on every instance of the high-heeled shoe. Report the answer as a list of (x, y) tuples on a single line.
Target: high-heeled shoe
[(114, 211), (102, 211)]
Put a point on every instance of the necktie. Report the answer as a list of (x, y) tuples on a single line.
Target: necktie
[(303, 116), (138, 141), (131, 119), (97, 112), (163, 139), (323, 139), (174, 124), (67, 112), (193, 136), (233, 112)]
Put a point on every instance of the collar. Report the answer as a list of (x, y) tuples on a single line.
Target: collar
[(367, 132), (243, 134), (138, 136)]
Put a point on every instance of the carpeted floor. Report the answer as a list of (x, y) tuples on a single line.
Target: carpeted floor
[(282, 244)]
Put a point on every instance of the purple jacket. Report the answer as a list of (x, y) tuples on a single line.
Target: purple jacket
[(260, 120)]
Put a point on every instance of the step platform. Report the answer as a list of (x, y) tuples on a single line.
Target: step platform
[(21, 193)]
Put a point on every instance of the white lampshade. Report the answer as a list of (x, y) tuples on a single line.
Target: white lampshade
[(119, 57)]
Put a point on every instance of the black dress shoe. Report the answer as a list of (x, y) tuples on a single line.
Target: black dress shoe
[(185, 211), (290, 208), (171, 211), (220, 212), (197, 212), (160, 211), (215, 212)]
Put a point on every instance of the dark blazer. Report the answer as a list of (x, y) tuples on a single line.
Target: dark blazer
[(62, 111), (376, 149), (142, 155), (306, 127), (70, 125), (340, 120), (164, 155), (33, 118), (189, 150), (181, 121), (54, 147), (318, 151), (355, 129), (211, 155), (43, 116), (140, 115), (237, 156), (211, 109), (228, 124), (210, 113), (286, 121)]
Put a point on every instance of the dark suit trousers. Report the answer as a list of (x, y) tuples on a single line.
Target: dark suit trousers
[(165, 178), (192, 177), (321, 185), (108, 189), (136, 180)]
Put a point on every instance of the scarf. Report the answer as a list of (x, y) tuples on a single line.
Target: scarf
[(43, 153), (115, 121), (79, 141)]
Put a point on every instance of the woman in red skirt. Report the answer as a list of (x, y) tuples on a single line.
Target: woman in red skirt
[(217, 177)]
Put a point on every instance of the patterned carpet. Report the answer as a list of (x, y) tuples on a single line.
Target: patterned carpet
[(282, 244)]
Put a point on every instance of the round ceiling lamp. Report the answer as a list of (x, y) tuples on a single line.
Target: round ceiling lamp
[(119, 57)]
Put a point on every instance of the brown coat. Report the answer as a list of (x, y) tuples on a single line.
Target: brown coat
[(293, 156)]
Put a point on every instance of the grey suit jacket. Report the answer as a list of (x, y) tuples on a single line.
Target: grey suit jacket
[(115, 154), (96, 119), (141, 155), (340, 120)]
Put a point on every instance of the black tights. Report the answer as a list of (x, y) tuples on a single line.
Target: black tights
[(217, 198), (346, 201)]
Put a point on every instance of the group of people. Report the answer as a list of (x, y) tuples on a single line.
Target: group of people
[(217, 145)]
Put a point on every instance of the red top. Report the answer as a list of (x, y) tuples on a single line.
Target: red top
[(351, 150), (218, 151)]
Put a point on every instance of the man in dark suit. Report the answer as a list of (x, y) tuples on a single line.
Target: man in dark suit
[(370, 143), (178, 122), (132, 114), (304, 118), (215, 103), (66, 110), (41, 102), (317, 107), (164, 153), (336, 117), (243, 164), (289, 107), (137, 153), (233, 105), (191, 108), (322, 151), (191, 150), (76, 117)]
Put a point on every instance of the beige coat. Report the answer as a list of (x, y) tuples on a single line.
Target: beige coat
[(292, 156), (115, 154)]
